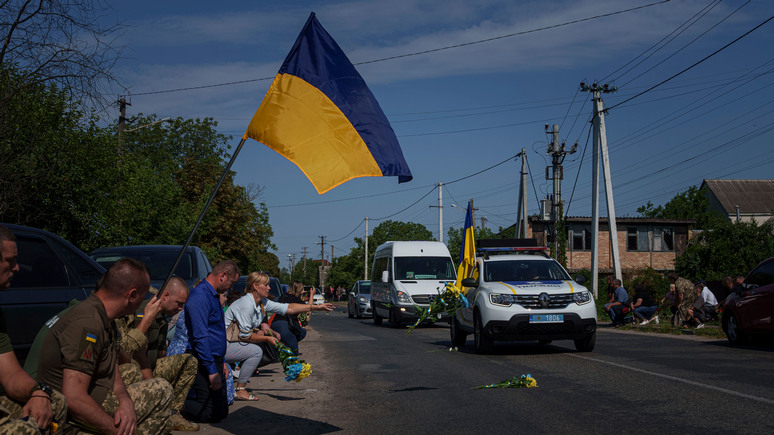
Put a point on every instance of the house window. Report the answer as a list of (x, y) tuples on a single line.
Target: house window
[(663, 239), (637, 239), (579, 237)]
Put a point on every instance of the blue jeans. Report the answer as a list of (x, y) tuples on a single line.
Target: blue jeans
[(645, 312), (287, 336)]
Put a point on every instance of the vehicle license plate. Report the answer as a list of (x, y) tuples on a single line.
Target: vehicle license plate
[(546, 318)]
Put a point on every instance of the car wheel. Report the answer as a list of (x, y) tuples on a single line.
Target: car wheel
[(394, 318), (586, 344), (735, 336), (358, 314), (377, 318), (458, 337), (349, 311), (484, 344)]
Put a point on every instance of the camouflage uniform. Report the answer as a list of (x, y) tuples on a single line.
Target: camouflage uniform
[(152, 399), (685, 290), (11, 411), (178, 370)]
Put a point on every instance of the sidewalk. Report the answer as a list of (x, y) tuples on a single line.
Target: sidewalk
[(284, 407)]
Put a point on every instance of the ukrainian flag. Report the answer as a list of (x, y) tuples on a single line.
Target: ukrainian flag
[(468, 250), (319, 114)]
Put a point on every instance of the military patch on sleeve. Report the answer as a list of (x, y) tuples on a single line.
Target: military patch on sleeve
[(86, 348)]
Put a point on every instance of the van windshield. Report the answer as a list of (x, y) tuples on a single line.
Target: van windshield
[(417, 268)]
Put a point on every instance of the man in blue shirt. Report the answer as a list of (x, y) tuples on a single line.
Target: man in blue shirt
[(620, 300), (207, 401)]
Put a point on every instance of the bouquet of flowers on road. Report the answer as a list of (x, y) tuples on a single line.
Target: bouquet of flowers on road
[(523, 381), (449, 301), (294, 368)]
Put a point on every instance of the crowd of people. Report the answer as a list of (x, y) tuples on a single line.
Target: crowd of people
[(117, 362), (690, 304)]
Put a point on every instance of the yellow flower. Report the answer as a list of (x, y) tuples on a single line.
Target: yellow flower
[(306, 371)]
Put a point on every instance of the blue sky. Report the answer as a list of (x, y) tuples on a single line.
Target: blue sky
[(462, 110)]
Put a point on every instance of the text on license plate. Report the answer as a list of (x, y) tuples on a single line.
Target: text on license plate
[(546, 318)]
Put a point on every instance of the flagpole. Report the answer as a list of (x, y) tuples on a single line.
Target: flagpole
[(201, 215)]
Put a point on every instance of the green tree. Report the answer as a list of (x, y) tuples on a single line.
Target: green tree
[(726, 249), (691, 204)]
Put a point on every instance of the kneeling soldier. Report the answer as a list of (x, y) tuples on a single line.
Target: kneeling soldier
[(143, 337)]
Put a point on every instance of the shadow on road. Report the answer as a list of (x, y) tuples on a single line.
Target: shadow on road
[(267, 422)]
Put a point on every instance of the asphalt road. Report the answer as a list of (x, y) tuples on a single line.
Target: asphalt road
[(369, 379)]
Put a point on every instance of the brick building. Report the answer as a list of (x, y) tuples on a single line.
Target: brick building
[(642, 242)]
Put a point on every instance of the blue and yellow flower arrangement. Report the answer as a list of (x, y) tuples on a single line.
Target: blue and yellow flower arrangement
[(294, 368), (449, 301)]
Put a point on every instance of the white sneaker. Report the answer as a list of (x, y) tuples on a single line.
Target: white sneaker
[(655, 319), (644, 322), (699, 326)]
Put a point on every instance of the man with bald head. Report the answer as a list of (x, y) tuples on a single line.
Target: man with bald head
[(80, 358), (143, 338)]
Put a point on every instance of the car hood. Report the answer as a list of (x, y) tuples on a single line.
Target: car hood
[(532, 287)]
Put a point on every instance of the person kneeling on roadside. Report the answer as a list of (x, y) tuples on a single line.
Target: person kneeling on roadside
[(254, 335), (644, 307), (80, 356), (620, 301), (288, 325), (143, 338), (701, 311)]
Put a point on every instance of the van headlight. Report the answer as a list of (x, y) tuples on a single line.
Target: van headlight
[(362, 299), (404, 297), (502, 299), (581, 298)]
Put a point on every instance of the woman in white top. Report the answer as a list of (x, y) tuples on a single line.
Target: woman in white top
[(248, 312)]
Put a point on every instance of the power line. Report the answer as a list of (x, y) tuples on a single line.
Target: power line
[(449, 47), (705, 10), (692, 66)]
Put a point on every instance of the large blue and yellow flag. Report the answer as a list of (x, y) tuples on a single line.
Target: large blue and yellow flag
[(320, 115), (468, 250)]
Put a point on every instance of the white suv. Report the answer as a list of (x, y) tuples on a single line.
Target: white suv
[(525, 297)]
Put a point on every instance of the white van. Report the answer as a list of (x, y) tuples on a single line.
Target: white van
[(406, 275)]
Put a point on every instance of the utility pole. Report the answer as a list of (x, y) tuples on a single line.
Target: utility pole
[(473, 214), (322, 262), (558, 154), (331, 254), (521, 225), (483, 221), (440, 211), (365, 268), (290, 260), (121, 122), (600, 150), (305, 262)]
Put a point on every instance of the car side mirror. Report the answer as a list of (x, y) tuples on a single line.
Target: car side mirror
[(469, 282), (385, 276), (580, 279)]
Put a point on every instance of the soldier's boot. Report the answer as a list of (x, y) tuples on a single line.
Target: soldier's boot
[(178, 422)]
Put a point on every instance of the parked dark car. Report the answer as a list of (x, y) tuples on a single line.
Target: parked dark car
[(359, 300), (275, 287), (193, 267), (750, 311), (52, 272)]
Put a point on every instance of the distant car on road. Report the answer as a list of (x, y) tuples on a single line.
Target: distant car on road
[(52, 272), (318, 298), (359, 300), (750, 312), (194, 266)]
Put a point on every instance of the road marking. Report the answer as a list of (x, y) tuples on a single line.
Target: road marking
[(674, 378)]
